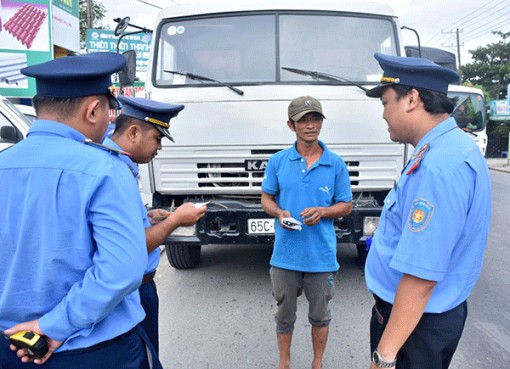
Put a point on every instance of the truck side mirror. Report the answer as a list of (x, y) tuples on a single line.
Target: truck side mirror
[(9, 134), (128, 73)]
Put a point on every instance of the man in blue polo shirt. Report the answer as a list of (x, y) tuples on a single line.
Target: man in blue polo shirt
[(139, 129), (72, 256), (427, 252), (305, 188)]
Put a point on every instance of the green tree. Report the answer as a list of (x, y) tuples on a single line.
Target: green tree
[(491, 66), (98, 14)]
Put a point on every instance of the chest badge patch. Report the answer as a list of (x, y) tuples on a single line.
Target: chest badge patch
[(420, 215)]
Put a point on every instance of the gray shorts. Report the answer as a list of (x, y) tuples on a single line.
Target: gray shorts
[(288, 285)]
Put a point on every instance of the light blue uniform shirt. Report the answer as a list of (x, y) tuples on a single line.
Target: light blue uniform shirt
[(435, 222), (154, 255), (72, 243), (326, 182)]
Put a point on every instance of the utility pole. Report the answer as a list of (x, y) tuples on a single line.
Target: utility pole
[(459, 64), (90, 4)]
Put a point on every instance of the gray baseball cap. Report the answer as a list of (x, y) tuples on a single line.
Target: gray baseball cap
[(303, 105)]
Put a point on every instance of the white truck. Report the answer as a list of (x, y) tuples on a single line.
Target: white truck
[(471, 113), (236, 66), (13, 124)]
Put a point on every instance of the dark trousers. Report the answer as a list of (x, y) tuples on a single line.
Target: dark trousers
[(432, 343), (128, 351), (150, 302)]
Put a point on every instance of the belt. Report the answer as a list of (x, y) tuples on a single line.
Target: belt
[(381, 303), (149, 277)]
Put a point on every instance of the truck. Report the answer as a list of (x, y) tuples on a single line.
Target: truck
[(236, 66), (14, 125), (471, 113)]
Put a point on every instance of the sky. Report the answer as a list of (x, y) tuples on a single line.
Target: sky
[(435, 21)]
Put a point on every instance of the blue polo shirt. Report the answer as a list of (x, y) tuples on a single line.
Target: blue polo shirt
[(435, 222), (326, 182), (154, 255), (73, 248)]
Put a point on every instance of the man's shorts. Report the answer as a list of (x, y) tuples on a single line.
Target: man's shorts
[(287, 285)]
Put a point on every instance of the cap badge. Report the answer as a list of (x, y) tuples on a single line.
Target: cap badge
[(308, 103), (158, 122)]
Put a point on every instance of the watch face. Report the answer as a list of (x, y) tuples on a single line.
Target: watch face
[(376, 358)]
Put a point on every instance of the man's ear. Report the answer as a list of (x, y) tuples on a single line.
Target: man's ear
[(413, 99), (133, 132), (290, 123), (92, 107)]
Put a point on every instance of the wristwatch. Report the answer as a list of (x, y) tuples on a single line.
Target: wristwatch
[(379, 361)]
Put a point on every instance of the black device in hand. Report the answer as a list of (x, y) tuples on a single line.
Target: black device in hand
[(35, 345)]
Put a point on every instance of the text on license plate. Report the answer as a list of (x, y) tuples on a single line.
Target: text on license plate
[(261, 226)]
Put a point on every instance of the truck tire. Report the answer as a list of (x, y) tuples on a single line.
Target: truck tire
[(182, 256), (361, 248)]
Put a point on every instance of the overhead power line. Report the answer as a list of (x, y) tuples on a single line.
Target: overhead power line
[(477, 16), (147, 3)]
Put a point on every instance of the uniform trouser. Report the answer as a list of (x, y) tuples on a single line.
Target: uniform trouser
[(127, 351), (432, 343), (150, 302)]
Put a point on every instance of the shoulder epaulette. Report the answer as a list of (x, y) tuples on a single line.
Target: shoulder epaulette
[(113, 150)]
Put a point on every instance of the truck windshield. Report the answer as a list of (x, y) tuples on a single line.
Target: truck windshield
[(252, 48), (469, 111)]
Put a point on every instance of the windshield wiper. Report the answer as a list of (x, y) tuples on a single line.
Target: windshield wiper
[(202, 78), (323, 76)]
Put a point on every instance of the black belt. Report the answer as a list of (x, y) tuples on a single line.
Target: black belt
[(149, 277), (381, 303)]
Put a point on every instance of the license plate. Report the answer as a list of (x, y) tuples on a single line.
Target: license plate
[(261, 226)]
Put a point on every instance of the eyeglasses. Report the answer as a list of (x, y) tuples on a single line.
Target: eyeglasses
[(314, 119)]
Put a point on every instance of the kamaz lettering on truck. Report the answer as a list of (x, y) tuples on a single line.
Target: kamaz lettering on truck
[(236, 66)]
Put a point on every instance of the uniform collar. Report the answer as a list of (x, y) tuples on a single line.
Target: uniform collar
[(325, 158), (50, 127), (439, 130), (126, 159)]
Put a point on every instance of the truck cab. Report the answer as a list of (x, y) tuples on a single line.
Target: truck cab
[(13, 124)]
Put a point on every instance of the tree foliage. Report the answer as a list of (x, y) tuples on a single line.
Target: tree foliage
[(491, 66), (98, 14)]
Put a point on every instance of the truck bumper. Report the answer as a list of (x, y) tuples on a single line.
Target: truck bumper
[(226, 222)]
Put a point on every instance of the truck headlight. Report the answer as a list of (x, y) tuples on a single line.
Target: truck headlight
[(370, 224)]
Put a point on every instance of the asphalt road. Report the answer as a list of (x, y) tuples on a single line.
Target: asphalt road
[(220, 315)]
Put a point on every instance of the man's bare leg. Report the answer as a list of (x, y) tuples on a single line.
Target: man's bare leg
[(319, 339), (284, 341)]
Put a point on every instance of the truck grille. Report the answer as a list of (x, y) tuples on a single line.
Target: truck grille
[(222, 170)]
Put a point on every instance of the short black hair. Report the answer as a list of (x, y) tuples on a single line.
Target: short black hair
[(434, 102), (60, 106), (124, 121)]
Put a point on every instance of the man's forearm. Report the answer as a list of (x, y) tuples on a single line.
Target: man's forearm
[(158, 233)]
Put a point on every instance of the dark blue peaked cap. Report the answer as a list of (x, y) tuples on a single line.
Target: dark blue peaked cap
[(154, 112), (77, 76), (413, 72)]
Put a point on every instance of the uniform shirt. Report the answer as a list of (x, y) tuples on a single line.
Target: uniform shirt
[(435, 222), (154, 255), (326, 182), (72, 243)]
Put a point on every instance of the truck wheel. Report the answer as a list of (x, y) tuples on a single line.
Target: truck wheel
[(362, 252), (182, 256)]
